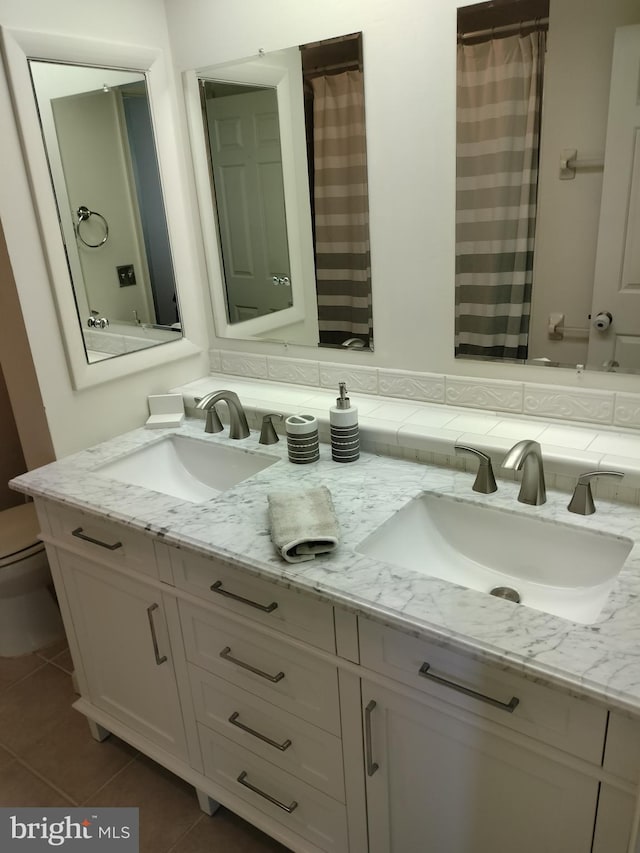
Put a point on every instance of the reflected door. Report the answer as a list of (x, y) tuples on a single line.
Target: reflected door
[(617, 272), (244, 140)]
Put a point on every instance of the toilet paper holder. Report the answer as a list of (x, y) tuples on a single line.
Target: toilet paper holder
[(555, 327)]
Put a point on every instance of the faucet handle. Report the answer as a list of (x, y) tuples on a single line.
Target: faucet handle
[(582, 499), (485, 482), (212, 422), (268, 434)]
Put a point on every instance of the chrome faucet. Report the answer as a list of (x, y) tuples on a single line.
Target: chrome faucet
[(527, 455), (238, 426)]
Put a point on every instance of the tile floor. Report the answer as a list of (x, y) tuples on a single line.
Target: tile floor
[(48, 758)]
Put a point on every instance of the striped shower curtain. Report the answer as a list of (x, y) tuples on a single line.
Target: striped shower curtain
[(341, 208), (498, 126)]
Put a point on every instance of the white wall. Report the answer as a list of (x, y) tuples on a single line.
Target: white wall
[(409, 60), (77, 419)]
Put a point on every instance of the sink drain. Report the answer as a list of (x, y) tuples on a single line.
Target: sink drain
[(506, 592)]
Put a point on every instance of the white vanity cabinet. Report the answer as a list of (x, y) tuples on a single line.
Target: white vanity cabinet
[(265, 694), (463, 757), (438, 780), (333, 733), (121, 630), (116, 624)]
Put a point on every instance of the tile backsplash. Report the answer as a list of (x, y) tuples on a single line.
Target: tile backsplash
[(605, 408)]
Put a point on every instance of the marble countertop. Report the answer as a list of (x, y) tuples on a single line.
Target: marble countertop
[(601, 660)]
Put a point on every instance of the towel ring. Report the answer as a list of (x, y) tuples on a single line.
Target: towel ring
[(83, 215)]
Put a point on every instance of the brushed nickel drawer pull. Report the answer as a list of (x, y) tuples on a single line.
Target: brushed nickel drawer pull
[(154, 638), (233, 719), (288, 809), (371, 764), (266, 608), (80, 535), (509, 706), (226, 655)]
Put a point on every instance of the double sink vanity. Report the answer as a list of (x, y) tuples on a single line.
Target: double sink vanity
[(375, 699)]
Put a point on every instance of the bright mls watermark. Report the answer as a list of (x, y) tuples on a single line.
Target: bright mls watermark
[(75, 830)]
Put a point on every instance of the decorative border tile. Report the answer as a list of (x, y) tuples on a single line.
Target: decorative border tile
[(627, 410), (296, 370), (427, 387), (531, 399), (215, 360), (496, 395), (555, 401), (244, 364), (363, 379)]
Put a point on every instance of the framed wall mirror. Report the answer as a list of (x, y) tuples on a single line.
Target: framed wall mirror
[(90, 123), (97, 131), (280, 154), (548, 184)]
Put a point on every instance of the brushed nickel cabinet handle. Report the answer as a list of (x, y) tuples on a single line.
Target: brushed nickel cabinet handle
[(266, 608), (233, 719), (80, 535), (226, 655), (371, 764), (154, 638), (509, 706), (242, 778)]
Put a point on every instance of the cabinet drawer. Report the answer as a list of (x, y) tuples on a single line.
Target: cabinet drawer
[(303, 750), (103, 540), (268, 667), (315, 817), (274, 606), (551, 716)]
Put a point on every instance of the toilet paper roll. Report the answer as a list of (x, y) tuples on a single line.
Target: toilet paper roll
[(602, 321)]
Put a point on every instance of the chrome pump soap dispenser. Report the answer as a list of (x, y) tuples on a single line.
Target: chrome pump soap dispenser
[(345, 433)]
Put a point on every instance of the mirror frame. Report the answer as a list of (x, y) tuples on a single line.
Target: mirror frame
[(296, 184), (18, 47)]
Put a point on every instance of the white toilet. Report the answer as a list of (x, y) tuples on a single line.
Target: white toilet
[(29, 615)]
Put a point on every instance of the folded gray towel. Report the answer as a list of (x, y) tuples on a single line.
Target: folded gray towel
[(303, 524)]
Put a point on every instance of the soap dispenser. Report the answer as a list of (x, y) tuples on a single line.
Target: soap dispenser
[(345, 433)]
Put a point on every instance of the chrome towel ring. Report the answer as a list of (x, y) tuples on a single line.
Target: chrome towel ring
[(83, 215)]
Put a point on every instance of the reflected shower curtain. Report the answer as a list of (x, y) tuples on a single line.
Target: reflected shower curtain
[(341, 208), (498, 127)]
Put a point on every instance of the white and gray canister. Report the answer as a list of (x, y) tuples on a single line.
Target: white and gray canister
[(345, 433), (302, 439)]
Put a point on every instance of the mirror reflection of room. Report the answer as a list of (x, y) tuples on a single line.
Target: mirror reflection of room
[(97, 129), (246, 160), (535, 260), (500, 71), (253, 145), (333, 77)]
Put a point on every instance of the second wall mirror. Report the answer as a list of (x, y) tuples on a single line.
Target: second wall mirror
[(280, 153)]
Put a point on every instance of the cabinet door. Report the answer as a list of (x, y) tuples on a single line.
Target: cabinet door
[(446, 783), (123, 640), (615, 821)]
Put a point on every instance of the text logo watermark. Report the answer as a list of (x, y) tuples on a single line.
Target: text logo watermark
[(74, 830)]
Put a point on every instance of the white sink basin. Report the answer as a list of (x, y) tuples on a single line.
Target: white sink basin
[(557, 568), (186, 468)]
